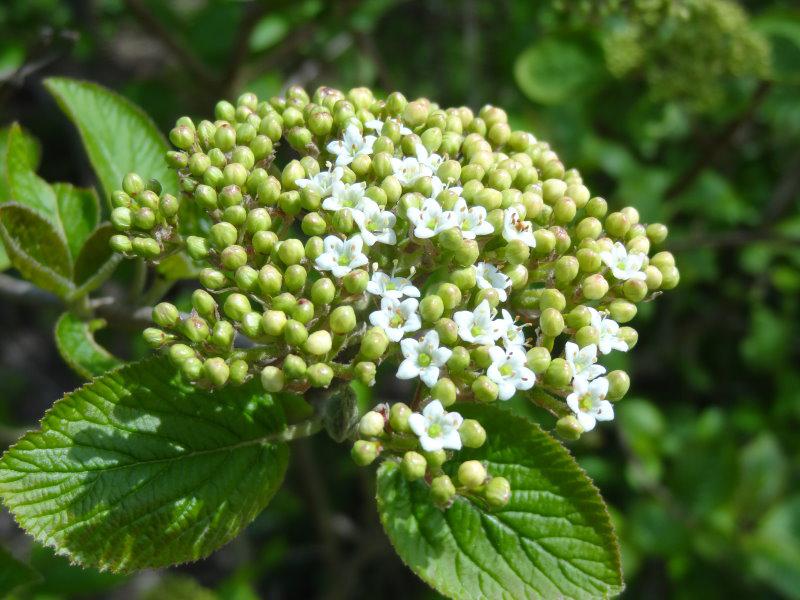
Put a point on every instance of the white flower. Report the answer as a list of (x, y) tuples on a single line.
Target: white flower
[(515, 228), (345, 195), (509, 372), (608, 330), (511, 334), (409, 169), (391, 287), (582, 361), (377, 125), (438, 186), (322, 182), (471, 220), (432, 161), (623, 265), (397, 318), (352, 144), (431, 219), (490, 277), (435, 428), (477, 326), (588, 402), (423, 358), (376, 224), (340, 257)]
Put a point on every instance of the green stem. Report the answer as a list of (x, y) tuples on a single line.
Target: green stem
[(544, 400)]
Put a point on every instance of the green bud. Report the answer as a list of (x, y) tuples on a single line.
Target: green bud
[(634, 290), (270, 280), (285, 302), (203, 303), (156, 338), (294, 367), (313, 224), (442, 490), (182, 137), (319, 343), (622, 311), (233, 257), (246, 278), (558, 373), (371, 424), (471, 474), (588, 228), (364, 372), (587, 335), (355, 282), (551, 322), (222, 235), (552, 298), (459, 360), (450, 295), (617, 225), (314, 247), (120, 243), (146, 247), (569, 428), (132, 184), (444, 390), (517, 252), (322, 293), (291, 251), (629, 336), (545, 241), (294, 278), (447, 330), (273, 322), (594, 287), (179, 353), (319, 375), (264, 241), (236, 306), (662, 260), (374, 343), (272, 379), (144, 218), (251, 324), (295, 333), (431, 308), (485, 389), (121, 218), (538, 359), (670, 277), (239, 371), (588, 260), (618, 384), (195, 329), (566, 269), (472, 433), (212, 279), (192, 368), (398, 417), (497, 492), (343, 320), (217, 371), (413, 466), (654, 278), (365, 452), (222, 334), (166, 315)]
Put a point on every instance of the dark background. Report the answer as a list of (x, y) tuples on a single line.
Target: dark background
[(688, 109)]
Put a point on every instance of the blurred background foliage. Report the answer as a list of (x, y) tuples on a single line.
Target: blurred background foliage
[(687, 109)]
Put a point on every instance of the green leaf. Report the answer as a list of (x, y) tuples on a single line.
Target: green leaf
[(139, 469), (554, 70), (118, 136), (78, 212), (76, 344), (36, 249), (14, 573), (774, 548), (96, 261), (554, 539), (28, 147)]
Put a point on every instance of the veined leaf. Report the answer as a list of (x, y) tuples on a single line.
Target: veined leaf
[(14, 573), (32, 152), (96, 261), (118, 136), (78, 212), (36, 248), (139, 469), (554, 539), (77, 346)]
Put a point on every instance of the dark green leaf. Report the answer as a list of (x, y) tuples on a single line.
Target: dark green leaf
[(554, 539), (139, 469), (32, 151), (79, 213), (14, 573), (76, 344), (96, 261), (36, 249), (118, 136)]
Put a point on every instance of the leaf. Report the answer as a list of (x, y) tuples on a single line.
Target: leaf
[(79, 213), (96, 261), (774, 548), (28, 148), (554, 70), (14, 573), (139, 469), (554, 539), (118, 136), (36, 249), (77, 346)]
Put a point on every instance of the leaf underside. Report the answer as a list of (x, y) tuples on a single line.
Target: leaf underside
[(78, 348), (139, 469), (554, 539)]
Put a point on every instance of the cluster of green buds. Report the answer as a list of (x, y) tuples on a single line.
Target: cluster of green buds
[(346, 231)]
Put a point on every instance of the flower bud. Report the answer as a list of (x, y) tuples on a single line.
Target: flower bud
[(618, 384), (617, 225), (295, 333), (294, 367), (217, 371), (239, 371), (182, 137), (670, 277), (319, 343), (121, 218), (294, 278), (365, 452), (444, 390), (587, 335), (355, 282), (222, 235), (285, 302), (662, 260), (273, 322), (179, 353), (431, 308), (364, 372), (374, 343), (472, 433), (552, 298), (447, 330), (270, 280), (236, 306), (569, 428), (594, 287), (212, 279), (156, 338), (343, 320), (291, 251), (654, 278), (371, 424), (558, 373), (629, 336), (192, 368), (545, 241), (398, 417), (120, 243), (413, 466), (233, 257), (551, 322), (459, 360), (622, 311), (323, 292), (222, 334), (471, 474), (251, 324), (195, 329), (272, 379), (319, 375), (166, 315), (497, 492), (132, 184), (485, 389), (442, 490), (538, 359)]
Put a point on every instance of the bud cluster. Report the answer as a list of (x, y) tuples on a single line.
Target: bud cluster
[(347, 231)]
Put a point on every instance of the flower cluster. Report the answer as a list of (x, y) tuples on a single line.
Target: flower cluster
[(345, 231)]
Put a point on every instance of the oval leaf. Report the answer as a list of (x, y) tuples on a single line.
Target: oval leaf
[(554, 539), (139, 469), (118, 136), (76, 344), (78, 213), (36, 249)]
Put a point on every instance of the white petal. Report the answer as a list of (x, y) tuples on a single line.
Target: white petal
[(430, 444), (408, 369), (418, 424), (452, 440), (506, 390), (586, 420), (429, 375), (433, 410), (605, 412)]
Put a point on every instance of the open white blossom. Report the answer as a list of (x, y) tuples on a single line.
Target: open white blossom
[(490, 277), (385, 286), (623, 265), (608, 330), (429, 159), (345, 195), (431, 219), (436, 429), (509, 371), (351, 145), (423, 358), (340, 256), (582, 361), (471, 220), (397, 317), (588, 402), (407, 170), (322, 182), (477, 326), (438, 186), (375, 224), (511, 334), (377, 125), (516, 228)]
